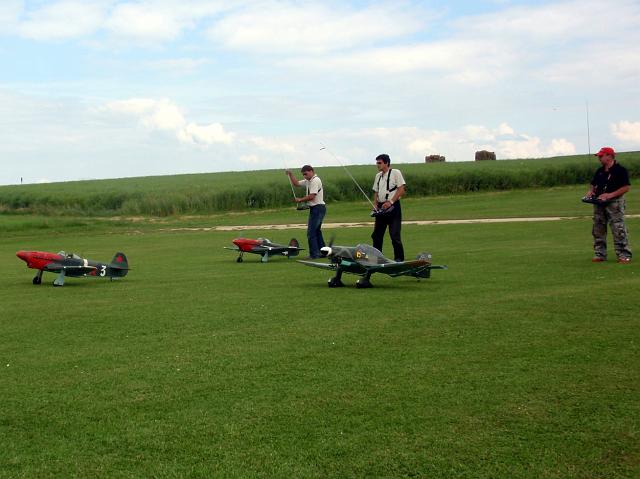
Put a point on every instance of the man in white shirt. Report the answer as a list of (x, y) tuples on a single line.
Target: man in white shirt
[(388, 188), (317, 209)]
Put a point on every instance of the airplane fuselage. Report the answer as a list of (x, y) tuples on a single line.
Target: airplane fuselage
[(264, 248), (247, 245), (72, 265)]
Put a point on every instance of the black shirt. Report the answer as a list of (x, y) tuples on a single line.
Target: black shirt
[(610, 181)]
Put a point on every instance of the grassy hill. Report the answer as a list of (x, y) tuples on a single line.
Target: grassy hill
[(242, 191)]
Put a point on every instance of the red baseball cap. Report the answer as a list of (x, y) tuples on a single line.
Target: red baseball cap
[(606, 150)]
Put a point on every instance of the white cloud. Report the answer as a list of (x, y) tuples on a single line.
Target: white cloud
[(178, 65), (479, 133), (272, 145), (146, 21), (143, 21), (411, 144), (525, 146), (10, 10), (551, 42), (205, 134), (420, 146), (164, 115), (560, 21), (286, 27), (627, 131), (461, 144), (250, 159), (159, 20), (504, 129), (463, 61), (560, 147), (64, 19), (483, 134)]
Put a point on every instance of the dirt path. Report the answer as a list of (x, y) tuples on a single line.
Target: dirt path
[(370, 223)]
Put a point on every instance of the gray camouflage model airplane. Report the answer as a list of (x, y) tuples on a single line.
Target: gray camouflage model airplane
[(364, 260)]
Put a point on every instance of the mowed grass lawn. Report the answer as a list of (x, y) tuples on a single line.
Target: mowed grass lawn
[(522, 360)]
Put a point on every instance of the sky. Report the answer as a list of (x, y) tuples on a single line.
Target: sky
[(93, 89)]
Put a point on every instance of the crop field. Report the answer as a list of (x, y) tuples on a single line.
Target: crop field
[(521, 360), (215, 192)]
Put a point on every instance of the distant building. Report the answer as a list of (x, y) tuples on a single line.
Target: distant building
[(433, 158), (485, 155)]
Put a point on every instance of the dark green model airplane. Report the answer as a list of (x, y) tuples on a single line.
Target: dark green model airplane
[(364, 260)]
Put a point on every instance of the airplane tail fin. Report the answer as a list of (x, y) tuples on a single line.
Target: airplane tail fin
[(294, 244), (424, 256), (119, 265), (426, 271)]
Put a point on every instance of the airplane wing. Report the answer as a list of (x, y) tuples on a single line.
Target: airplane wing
[(416, 267), (57, 268), (280, 249), (232, 248), (331, 266)]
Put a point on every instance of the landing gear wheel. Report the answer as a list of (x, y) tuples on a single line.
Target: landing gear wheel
[(239, 260), (37, 280), (363, 283), (335, 283)]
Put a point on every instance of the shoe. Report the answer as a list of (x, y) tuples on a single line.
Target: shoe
[(624, 260), (598, 259)]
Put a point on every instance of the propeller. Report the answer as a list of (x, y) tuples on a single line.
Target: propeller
[(327, 251)]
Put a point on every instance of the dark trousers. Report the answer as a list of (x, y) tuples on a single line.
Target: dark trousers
[(314, 233), (394, 221)]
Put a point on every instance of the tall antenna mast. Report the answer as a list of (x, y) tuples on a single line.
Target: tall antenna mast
[(586, 102)]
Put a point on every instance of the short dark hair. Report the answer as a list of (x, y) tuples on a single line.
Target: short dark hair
[(384, 158), (306, 168)]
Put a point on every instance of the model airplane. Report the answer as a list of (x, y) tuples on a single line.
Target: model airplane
[(264, 248), (364, 260), (70, 264)]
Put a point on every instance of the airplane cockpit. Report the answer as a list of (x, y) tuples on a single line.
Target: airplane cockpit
[(368, 254), (69, 255)]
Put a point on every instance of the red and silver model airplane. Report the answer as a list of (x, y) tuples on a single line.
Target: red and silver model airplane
[(70, 264), (264, 248)]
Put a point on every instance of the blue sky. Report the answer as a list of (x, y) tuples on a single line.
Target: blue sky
[(113, 88)]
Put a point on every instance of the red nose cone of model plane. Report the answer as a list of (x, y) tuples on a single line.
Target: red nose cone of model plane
[(24, 255)]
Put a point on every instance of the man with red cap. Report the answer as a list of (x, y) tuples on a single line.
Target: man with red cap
[(608, 186)]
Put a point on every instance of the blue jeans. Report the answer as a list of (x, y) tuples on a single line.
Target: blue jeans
[(314, 234)]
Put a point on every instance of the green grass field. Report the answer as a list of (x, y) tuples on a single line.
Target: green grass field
[(522, 360)]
